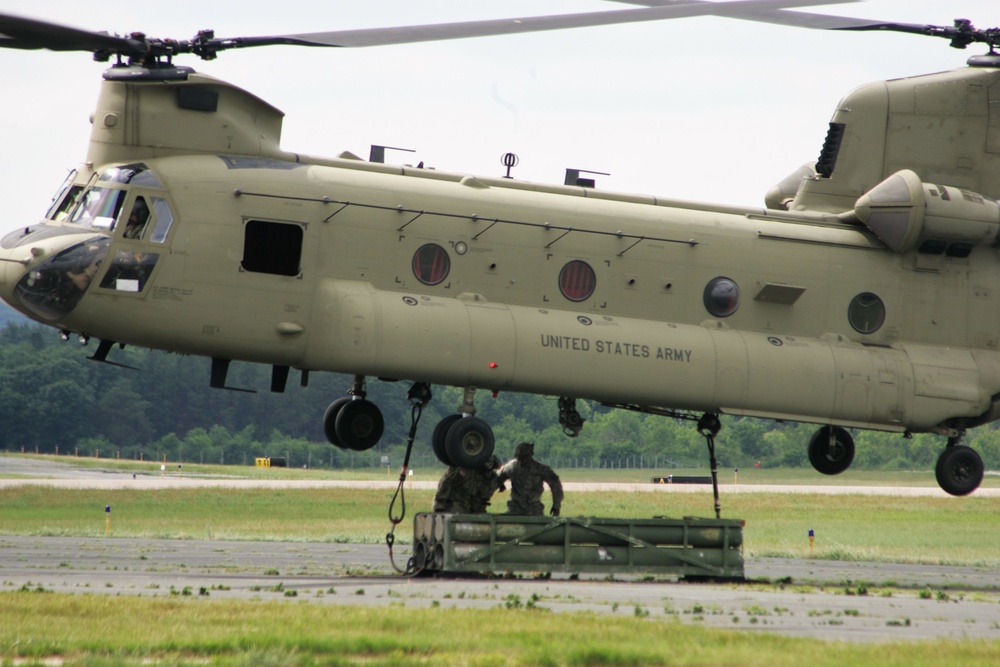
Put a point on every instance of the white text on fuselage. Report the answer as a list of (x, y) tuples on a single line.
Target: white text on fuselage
[(615, 348)]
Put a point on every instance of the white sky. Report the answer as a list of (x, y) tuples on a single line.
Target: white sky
[(705, 108)]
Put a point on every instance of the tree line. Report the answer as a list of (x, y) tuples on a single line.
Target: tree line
[(52, 398)]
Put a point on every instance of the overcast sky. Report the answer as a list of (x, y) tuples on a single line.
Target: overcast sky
[(705, 108)]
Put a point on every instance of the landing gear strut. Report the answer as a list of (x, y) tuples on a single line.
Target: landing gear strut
[(354, 422), (959, 469), (831, 450), (463, 439)]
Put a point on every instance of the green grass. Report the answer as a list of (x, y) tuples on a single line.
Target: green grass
[(961, 531), (99, 630), (88, 630)]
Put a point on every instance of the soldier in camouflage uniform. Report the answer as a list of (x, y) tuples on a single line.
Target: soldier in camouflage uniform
[(526, 477), (468, 491)]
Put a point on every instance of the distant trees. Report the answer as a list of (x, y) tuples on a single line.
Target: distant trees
[(52, 397)]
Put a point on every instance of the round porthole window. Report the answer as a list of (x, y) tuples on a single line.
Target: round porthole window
[(722, 297), (431, 264), (866, 313), (577, 281)]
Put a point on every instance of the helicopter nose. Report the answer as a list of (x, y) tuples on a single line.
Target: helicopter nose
[(11, 270), (44, 275)]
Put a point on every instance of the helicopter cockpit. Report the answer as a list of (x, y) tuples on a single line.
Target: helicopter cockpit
[(123, 204)]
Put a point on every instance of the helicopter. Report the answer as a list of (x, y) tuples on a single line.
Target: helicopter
[(858, 297)]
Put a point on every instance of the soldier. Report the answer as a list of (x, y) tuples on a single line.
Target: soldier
[(483, 482), (526, 476), (468, 491)]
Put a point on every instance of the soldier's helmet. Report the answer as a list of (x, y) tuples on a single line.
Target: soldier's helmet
[(524, 450)]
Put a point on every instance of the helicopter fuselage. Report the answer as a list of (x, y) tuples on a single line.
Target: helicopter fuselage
[(339, 264)]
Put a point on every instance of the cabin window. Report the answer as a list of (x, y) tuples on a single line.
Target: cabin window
[(272, 247), (722, 296), (577, 281), (866, 313), (431, 264)]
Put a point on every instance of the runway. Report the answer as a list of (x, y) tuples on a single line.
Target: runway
[(816, 603), (22, 471), (831, 600)]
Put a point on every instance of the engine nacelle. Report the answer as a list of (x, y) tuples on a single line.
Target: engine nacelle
[(906, 213)]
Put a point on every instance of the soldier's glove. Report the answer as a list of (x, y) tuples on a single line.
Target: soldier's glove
[(555, 511)]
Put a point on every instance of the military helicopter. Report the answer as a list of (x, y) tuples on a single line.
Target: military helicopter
[(858, 297)]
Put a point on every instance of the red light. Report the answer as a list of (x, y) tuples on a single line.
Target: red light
[(493, 364)]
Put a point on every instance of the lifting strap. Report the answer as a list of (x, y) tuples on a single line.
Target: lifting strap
[(709, 426), (419, 395)]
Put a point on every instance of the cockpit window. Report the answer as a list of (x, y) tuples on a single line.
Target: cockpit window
[(163, 222), (98, 207), (61, 209), (129, 271), (65, 199), (138, 219), (149, 219), (133, 174), (54, 286)]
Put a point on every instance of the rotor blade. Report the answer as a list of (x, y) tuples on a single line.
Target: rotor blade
[(443, 31), (17, 32), (767, 13), (22, 33)]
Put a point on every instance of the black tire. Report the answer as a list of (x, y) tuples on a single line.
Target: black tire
[(330, 420), (469, 442), (438, 438), (359, 425), (831, 450), (959, 470)]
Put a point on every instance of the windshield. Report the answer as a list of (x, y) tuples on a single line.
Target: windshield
[(65, 198), (98, 208)]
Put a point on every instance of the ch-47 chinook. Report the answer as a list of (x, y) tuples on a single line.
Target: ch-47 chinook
[(864, 295)]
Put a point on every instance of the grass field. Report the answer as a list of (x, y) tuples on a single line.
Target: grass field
[(41, 627), (104, 630), (962, 531)]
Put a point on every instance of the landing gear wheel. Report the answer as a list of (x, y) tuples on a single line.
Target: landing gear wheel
[(959, 470), (359, 424), (831, 450), (330, 420), (438, 438), (469, 442)]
